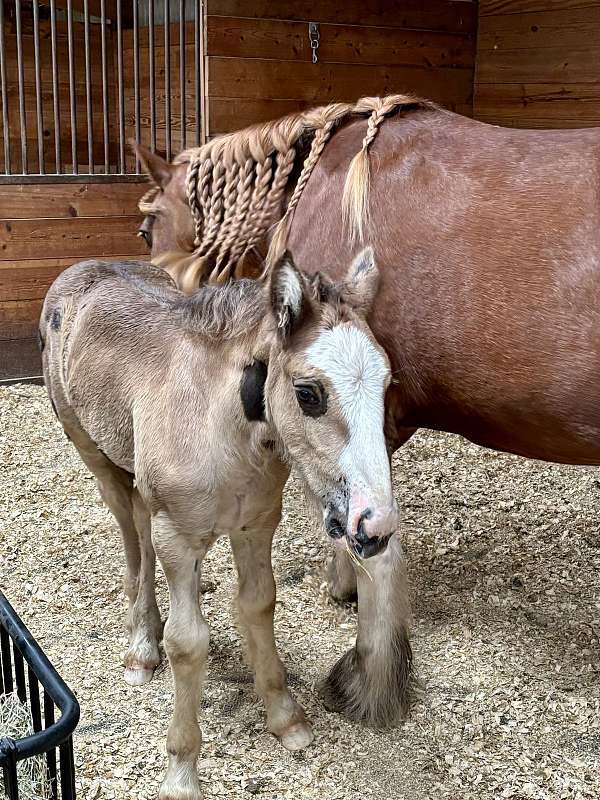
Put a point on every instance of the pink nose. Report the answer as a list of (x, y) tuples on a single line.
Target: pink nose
[(372, 528), (377, 522)]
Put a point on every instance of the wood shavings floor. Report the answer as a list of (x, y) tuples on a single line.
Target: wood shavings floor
[(504, 558)]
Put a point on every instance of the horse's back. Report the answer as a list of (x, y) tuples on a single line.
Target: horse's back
[(488, 243)]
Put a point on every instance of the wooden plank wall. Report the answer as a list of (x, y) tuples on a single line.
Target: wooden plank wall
[(259, 62), (538, 63), (50, 227)]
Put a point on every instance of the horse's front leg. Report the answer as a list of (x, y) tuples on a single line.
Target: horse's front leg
[(186, 639), (372, 681), (256, 605)]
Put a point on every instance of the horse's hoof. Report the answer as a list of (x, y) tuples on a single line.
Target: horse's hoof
[(297, 736), (136, 675)]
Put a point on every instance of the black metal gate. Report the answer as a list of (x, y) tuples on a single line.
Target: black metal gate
[(23, 667), (79, 78)]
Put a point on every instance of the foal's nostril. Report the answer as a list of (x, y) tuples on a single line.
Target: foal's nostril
[(361, 535)]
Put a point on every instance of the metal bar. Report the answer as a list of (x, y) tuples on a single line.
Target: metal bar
[(152, 82), (55, 90), (20, 675), (11, 783), (104, 86), (12, 180), (136, 77), (167, 18), (21, 80), (198, 70), (72, 95), (5, 128), (38, 87), (88, 87), (121, 99), (67, 778), (182, 71), (6, 661), (51, 753), (34, 700)]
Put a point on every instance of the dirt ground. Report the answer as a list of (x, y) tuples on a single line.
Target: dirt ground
[(504, 563)]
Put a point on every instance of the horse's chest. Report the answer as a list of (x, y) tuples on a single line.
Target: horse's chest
[(249, 497)]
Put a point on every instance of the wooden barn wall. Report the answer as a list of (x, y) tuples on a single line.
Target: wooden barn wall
[(259, 58), (538, 63), (43, 229)]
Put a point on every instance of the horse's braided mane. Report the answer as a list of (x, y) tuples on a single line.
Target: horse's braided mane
[(237, 181)]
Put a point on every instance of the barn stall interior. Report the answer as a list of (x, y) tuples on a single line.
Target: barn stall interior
[(78, 80)]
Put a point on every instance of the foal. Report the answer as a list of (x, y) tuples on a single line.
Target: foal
[(189, 410)]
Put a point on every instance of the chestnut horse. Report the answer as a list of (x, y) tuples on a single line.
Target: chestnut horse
[(488, 244)]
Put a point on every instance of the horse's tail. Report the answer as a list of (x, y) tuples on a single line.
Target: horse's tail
[(355, 200)]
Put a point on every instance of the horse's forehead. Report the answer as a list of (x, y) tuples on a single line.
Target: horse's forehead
[(350, 359)]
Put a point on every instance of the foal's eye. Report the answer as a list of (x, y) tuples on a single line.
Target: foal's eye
[(311, 397)]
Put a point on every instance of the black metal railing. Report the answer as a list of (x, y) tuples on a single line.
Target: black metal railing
[(23, 668)]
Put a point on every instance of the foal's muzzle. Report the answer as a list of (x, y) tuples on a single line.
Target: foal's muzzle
[(361, 543)]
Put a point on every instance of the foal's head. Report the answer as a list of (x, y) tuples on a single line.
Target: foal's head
[(324, 394)]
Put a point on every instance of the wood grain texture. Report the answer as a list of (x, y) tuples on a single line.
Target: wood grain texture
[(282, 40), (75, 238), (566, 28), (575, 103), (323, 83), (525, 6), (538, 64), (438, 15), (31, 201)]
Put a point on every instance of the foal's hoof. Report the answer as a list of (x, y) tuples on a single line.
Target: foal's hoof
[(297, 736), (137, 675)]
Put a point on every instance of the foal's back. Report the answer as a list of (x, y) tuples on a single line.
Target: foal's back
[(127, 358)]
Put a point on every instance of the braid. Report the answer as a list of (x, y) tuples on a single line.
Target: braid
[(355, 200), (244, 194), (216, 207), (280, 234), (192, 195)]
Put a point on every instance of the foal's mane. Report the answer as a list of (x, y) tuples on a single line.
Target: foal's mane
[(236, 183)]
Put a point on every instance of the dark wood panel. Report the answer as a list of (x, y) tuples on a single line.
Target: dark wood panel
[(250, 38), (16, 313), (526, 6), (532, 101), (442, 15), (30, 201), (546, 65), (19, 358), (227, 115), (77, 238), (322, 83), (539, 123), (568, 29)]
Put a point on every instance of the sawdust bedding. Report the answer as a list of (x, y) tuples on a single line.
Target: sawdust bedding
[(504, 562)]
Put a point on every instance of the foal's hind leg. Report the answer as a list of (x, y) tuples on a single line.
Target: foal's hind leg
[(144, 625), (256, 605)]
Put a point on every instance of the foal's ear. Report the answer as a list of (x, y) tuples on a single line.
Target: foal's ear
[(154, 165), (288, 295), (362, 282)]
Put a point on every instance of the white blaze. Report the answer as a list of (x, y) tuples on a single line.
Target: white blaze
[(358, 373)]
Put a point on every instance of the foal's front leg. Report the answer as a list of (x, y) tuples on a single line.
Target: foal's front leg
[(185, 638), (256, 605)]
